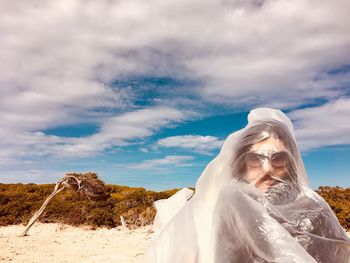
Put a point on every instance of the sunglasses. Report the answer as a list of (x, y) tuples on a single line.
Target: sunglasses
[(277, 159)]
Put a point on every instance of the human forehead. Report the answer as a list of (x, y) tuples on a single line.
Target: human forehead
[(268, 146)]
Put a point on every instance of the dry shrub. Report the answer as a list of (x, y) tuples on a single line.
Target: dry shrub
[(88, 186), (19, 201), (338, 199)]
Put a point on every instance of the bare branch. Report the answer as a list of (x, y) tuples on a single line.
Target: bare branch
[(86, 185)]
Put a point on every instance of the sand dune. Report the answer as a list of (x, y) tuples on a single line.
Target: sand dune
[(62, 243)]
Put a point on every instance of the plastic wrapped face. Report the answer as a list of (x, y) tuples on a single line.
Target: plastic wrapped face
[(266, 163), (266, 157)]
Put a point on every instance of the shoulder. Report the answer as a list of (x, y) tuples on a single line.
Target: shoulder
[(320, 218)]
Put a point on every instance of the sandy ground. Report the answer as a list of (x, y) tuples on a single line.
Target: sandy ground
[(62, 243)]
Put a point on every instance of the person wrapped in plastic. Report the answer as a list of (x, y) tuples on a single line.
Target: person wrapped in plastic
[(252, 204)]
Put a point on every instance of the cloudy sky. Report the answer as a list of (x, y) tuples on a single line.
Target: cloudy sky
[(145, 92)]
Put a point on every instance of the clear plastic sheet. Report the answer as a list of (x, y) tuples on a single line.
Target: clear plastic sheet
[(244, 212)]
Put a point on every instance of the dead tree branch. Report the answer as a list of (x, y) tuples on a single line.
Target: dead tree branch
[(86, 185)]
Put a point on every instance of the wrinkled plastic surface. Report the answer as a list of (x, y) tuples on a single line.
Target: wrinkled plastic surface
[(230, 220), (167, 208)]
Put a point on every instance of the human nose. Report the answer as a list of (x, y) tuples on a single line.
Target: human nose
[(266, 166)]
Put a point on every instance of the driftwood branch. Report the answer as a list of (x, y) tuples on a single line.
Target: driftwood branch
[(86, 185), (58, 188), (124, 226)]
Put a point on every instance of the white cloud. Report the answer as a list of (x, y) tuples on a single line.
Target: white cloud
[(114, 131), (322, 126), (38, 176), (144, 150), (197, 143), (274, 54), (59, 58), (164, 163), (120, 130)]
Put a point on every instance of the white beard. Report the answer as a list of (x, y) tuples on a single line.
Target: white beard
[(281, 193)]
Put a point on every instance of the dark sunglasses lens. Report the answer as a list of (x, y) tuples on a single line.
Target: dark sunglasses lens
[(253, 160), (280, 159)]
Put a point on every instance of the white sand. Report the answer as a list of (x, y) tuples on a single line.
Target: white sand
[(62, 243)]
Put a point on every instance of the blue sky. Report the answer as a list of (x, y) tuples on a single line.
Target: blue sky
[(145, 92)]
